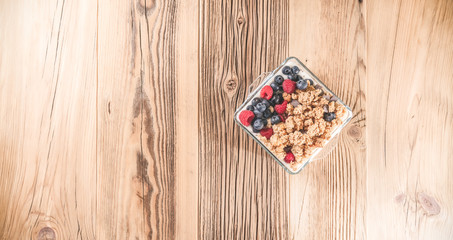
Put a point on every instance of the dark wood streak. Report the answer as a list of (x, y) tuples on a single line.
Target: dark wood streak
[(158, 119), (144, 78), (133, 40), (141, 106), (142, 174)]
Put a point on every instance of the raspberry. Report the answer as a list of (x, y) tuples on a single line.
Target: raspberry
[(289, 86), (289, 157), (281, 108), (266, 92), (283, 117), (267, 132), (246, 117)]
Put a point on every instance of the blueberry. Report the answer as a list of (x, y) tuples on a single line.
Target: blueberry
[(286, 70), (266, 103), (255, 130), (302, 84), (258, 114), (256, 101), (258, 124), (250, 108), (273, 99), (295, 70), (260, 107), (267, 113), (329, 116), (279, 79), (275, 119), (277, 99), (275, 86), (293, 77)]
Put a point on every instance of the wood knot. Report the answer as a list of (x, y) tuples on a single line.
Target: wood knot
[(428, 204), (146, 6), (46, 233), (401, 198), (230, 86), (355, 132), (240, 20)]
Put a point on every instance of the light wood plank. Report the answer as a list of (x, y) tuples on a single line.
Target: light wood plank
[(186, 45), (410, 127), (48, 116), (328, 198), (147, 148), (242, 190)]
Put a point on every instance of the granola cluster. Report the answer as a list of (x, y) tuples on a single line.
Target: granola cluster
[(304, 129)]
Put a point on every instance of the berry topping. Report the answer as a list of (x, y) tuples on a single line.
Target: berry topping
[(260, 107), (275, 86), (311, 82), (258, 124), (246, 117), (267, 113), (258, 114), (266, 103), (250, 108), (275, 119), (279, 79), (295, 70), (302, 84), (286, 70), (283, 117), (277, 99), (293, 77), (267, 132), (256, 101), (266, 92), (281, 108), (289, 86), (289, 157), (329, 116)]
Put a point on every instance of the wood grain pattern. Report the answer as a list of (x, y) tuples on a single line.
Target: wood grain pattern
[(48, 115), (117, 120), (410, 147), (242, 190), (145, 85), (328, 199)]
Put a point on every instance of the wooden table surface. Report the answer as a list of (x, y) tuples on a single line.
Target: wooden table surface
[(117, 119)]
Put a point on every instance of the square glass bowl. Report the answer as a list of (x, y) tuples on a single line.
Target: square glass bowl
[(305, 73)]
